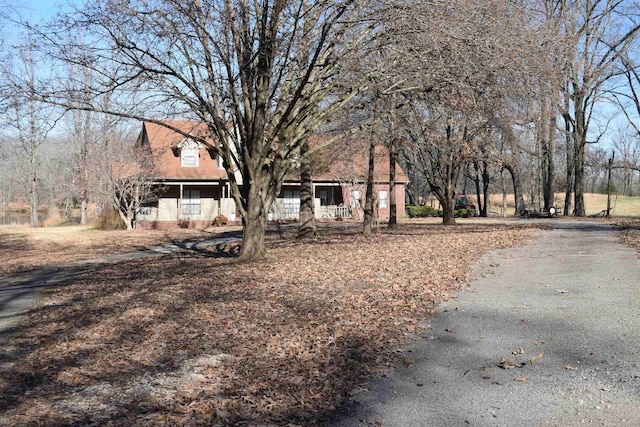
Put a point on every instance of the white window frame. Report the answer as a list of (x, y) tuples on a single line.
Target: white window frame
[(189, 157), (291, 203), (383, 199), (191, 204)]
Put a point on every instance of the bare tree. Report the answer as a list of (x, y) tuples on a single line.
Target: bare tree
[(306, 226), (122, 175), (256, 73), (626, 145), (460, 47), (627, 95), (27, 121), (597, 34), (442, 148)]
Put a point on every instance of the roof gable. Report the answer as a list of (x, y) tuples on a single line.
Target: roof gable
[(166, 144)]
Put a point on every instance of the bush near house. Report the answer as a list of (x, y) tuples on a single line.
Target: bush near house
[(464, 213), (220, 220), (109, 219), (420, 211)]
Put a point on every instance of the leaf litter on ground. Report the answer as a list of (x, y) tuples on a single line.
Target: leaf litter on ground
[(189, 339)]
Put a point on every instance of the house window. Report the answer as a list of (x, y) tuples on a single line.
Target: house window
[(189, 157), (325, 197), (383, 197), (191, 202), (291, 206)]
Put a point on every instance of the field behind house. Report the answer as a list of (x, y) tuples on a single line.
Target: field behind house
[(622, 206)]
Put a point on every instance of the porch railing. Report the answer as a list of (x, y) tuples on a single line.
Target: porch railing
[(335, 211)]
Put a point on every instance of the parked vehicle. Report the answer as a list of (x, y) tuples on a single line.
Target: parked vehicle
[(464, 202)]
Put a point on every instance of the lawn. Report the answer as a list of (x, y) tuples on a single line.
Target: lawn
[(197, 338), (24, 248), (622, 206)]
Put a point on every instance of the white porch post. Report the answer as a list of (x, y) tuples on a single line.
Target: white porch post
[(222, 188), (180, 201)]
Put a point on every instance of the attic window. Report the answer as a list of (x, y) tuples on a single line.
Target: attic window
[(189, 156)]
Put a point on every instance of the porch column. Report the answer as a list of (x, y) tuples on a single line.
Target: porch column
[(222, 191), (180, 202)]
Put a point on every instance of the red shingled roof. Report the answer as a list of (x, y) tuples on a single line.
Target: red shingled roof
[(341, 161), (164, 143), (349, 161)]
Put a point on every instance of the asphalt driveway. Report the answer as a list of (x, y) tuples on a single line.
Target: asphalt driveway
[(548, 334)]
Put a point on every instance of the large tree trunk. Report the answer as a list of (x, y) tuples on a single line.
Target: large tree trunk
[(448, 210), (482, 191), (484, 211), (445, 195), (570, 161), (367, 225), (579, 209), (579, 141), (33, 200), (128, 219), (307, 225), (254, 226), (451, 175), (476, 180), (393, 154), (83, 211), (504, 194), (517, 188), (547, 150)]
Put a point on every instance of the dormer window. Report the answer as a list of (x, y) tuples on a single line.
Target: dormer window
[(189, 154)]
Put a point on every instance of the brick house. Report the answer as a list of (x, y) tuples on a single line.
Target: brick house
[(193, 185)]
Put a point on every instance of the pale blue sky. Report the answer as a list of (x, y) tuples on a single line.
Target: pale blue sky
[(45, 8)]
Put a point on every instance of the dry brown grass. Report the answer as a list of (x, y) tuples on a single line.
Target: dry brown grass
[(622, 206), (199, 339)]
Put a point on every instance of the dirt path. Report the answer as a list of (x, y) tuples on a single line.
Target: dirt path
[(566, 310)]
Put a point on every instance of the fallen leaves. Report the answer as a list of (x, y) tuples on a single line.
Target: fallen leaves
[(535, 358), (192, 339), (510, 363), (47, 246), (630, 234)]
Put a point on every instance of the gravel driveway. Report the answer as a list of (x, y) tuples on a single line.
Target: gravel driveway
[(548, 334)]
